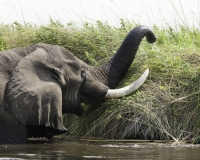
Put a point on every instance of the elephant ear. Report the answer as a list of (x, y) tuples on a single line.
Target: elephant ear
[(33, 93)]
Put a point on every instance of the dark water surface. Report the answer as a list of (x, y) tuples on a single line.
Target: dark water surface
[(78, 150)]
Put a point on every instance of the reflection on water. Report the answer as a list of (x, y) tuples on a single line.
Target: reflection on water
[(76, 150)]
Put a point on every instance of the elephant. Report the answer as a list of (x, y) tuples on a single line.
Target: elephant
[(41, 82)]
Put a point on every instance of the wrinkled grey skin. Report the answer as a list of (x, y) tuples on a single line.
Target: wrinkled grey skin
[(41, 82)]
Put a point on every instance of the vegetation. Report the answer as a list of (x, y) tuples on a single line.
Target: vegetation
[(166, 107)]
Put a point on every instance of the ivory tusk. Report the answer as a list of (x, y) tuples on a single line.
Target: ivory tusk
[(117, 93)]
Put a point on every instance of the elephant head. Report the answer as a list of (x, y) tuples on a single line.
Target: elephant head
[(49, 80)]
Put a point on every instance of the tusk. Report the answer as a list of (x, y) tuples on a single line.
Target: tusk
[(117, 93)]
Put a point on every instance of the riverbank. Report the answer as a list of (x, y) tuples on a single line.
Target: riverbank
[(166, 107)]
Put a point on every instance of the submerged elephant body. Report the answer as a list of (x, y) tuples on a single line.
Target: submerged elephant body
[(42, 82)]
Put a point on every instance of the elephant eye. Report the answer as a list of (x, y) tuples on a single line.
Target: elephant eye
[(83, 75), (55, 74)]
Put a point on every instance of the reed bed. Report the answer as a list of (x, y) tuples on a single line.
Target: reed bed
[(166, 107)]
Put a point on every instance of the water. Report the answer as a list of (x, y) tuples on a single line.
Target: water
[(78, 150)]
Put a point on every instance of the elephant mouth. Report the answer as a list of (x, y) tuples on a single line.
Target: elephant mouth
[(111, 93), (84, 100), (79, 111), (90, 100), (73, 107)]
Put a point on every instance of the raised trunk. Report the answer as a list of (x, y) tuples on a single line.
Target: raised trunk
[(114, 70)]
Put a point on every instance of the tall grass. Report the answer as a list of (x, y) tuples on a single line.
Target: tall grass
[(166, 107)]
